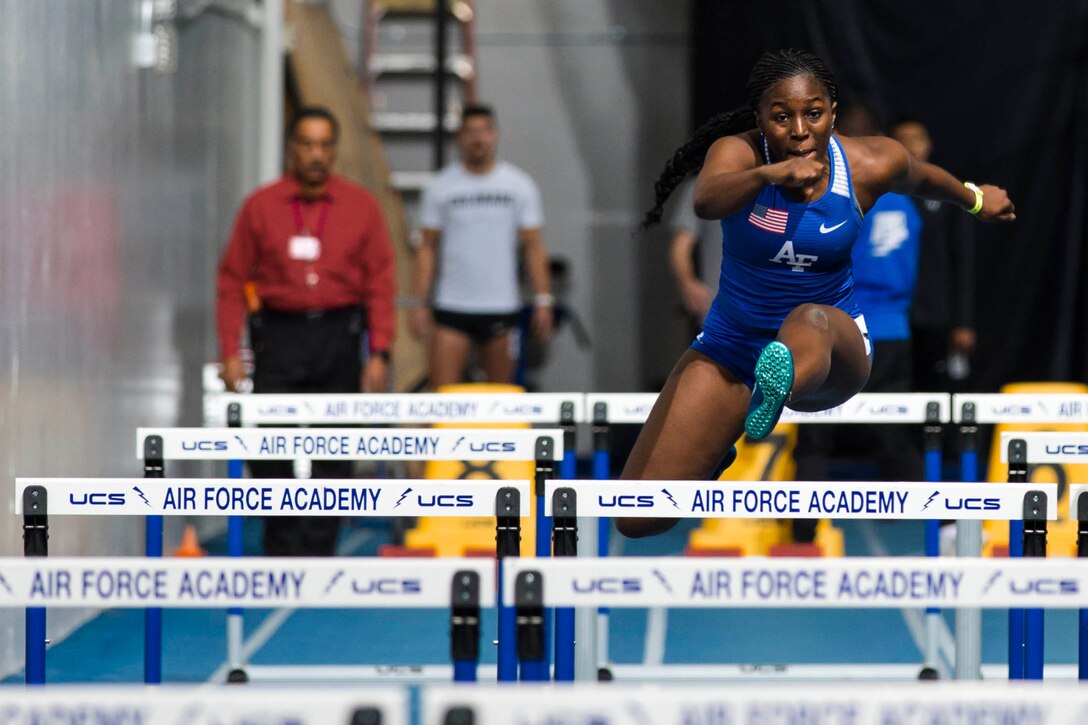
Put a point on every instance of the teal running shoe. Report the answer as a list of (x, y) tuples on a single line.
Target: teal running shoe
[(774, 380)]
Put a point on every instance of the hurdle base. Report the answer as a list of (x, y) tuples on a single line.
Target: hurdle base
[(410, 674), (237, 677)]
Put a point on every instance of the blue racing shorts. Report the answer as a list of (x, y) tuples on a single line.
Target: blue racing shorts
[(736, 347)]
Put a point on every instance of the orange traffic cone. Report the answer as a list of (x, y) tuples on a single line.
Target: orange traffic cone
[(190, 544)]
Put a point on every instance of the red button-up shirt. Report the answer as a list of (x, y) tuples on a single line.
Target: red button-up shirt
[(355, 266)]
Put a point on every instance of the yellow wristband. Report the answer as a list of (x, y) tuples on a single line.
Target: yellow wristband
[(978, 198)]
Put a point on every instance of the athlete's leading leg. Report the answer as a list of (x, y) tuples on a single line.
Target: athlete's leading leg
[(696, 418), (819, 360)]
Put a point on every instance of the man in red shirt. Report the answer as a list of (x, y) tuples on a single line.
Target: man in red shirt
[(310, 260)]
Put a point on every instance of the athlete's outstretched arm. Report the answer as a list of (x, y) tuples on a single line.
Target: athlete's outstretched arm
[(887, 166)]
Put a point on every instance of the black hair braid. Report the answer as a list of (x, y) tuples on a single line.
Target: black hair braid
[(768, 70), (689, 157)]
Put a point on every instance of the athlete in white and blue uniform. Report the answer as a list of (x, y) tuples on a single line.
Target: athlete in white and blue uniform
[(778, 254), (784, 328)]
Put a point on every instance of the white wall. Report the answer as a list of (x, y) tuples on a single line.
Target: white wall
[(117, 190), (592, 97)]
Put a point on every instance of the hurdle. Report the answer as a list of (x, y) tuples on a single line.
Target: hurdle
[(543, 446), (930, 410), (562, 410), (38, 498), (797, 499), (204, 705), (971, 410), (849, 583), (1022, 449)]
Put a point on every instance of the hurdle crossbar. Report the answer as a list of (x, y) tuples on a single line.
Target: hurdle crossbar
[(205, 705), (867, 703), (990, 408), (386, 498), (860, 582), (352, 444), (802, 499), (399, 409)]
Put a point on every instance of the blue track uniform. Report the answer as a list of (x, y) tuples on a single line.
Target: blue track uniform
[(778, 254), (885, 261)]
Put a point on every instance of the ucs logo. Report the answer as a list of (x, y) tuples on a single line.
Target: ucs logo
[(446, 500), (205, 446), (1067, 449), (386, 586), (493, 447), (888, 409), (972, 504), (628, 502), (277, 410), (96, 499), (1012, 410), (1044, 586), (608, 585)]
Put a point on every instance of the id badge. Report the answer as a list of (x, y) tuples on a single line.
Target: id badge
[(304, 249)]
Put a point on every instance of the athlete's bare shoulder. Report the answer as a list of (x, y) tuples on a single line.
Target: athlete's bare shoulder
[(734, 153), (876, 163)]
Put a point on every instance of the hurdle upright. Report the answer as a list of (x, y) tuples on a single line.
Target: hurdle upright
[(971, 410), (562, 410), (1021, 450), (366, 444), (790, 499), (930, 410)]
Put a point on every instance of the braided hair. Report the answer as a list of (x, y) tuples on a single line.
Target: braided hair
[(768, 70)]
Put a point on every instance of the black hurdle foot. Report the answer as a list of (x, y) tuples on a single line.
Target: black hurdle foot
[(237, 677), (604, 674), (929, 673)]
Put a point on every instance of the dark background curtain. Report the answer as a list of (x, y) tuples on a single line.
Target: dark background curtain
[(1003, 88)]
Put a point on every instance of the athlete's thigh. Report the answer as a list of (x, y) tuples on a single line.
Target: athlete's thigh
[(849, 365), (497, 358), (450, 349), (697, 416)]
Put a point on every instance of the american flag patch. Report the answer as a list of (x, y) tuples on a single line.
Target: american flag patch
[(773, 220)]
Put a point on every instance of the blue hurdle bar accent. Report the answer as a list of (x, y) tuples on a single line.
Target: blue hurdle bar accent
[(153, 615), (154, 467), (1018, 473), (35, 543), (531, 637), (602, 471), (545, 469), (1034, 545), (933, 462), (1080, 507), (565, 544), (235, 469), (507, 544)]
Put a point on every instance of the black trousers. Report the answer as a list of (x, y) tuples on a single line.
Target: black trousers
[(318, 352), (897, 449)]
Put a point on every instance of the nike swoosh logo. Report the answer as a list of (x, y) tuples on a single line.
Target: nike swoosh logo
[(825, 230)]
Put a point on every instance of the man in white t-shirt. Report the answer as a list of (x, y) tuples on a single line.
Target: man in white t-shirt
[(474, 216)]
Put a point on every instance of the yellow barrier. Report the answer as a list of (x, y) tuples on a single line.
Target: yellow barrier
[(473, 536), (1061, 534)]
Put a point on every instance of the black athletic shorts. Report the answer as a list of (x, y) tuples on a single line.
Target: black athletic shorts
[(480, 327)]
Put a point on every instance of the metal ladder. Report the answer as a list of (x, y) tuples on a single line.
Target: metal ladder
[(399, 73)]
